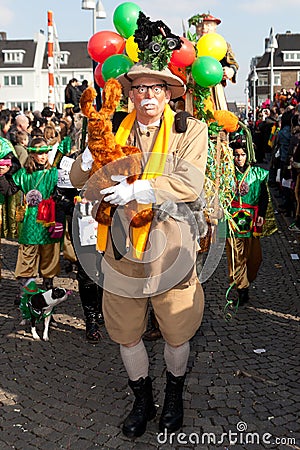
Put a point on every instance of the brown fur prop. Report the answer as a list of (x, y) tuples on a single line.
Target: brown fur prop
[(110, 158)]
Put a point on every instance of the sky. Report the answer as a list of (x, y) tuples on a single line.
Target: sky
[(245, 23)]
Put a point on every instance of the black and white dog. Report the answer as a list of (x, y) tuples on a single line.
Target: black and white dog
[(40, 308)]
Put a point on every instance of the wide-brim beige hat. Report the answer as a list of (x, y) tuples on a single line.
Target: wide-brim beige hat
[(175, 84)]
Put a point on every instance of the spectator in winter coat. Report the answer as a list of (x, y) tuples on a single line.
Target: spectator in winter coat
[(72, 93)]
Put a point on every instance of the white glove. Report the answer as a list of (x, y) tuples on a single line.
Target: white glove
[(86, 160), (122, 193)]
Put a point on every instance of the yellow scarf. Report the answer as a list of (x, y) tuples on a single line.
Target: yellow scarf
[(154, 168)]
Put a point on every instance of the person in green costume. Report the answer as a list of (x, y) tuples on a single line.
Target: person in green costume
[(9, 164), (41, 230), (247, 216)]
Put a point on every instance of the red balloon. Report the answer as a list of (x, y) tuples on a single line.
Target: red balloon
[(185, 56), (98, 75), (104, 44)]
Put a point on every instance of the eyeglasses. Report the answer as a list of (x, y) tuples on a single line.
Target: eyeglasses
[(155, 88)]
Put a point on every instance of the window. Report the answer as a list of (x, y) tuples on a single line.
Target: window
[(293, 56), (13, 80), (13, 56), (64, 80), (64, 57), (24, 106), (277, 79), (263, 79)]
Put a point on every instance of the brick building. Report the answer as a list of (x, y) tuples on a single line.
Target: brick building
[(286, 68)]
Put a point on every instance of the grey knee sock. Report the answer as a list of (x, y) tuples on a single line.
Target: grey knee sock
[(135, 360), (177, 358)]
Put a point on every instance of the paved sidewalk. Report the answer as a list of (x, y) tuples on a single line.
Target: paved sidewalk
[(243, 378)]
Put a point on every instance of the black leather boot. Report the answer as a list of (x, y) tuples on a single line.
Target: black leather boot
[(92, 332), (99, 318), (143, 408), (243, 296), (91, 300), (172, 413), (99, 314)]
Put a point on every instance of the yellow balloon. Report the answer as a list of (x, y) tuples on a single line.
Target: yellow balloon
[(132, 49), (212, 44)]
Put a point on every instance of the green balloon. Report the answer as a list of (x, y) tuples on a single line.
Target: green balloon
[(207, 71), (125, 17), (115, 65)]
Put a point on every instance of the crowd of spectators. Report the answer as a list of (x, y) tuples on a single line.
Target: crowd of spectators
[(276, 135), (20, 127)]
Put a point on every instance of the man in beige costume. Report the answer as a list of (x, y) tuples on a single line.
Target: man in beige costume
[(165, 273)]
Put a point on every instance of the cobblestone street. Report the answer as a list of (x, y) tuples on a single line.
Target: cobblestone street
[(243, 378)]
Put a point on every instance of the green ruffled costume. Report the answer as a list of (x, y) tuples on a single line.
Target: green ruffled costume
[(255, 177), (31, 232)]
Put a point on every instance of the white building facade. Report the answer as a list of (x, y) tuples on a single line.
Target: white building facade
[(24, 71)]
